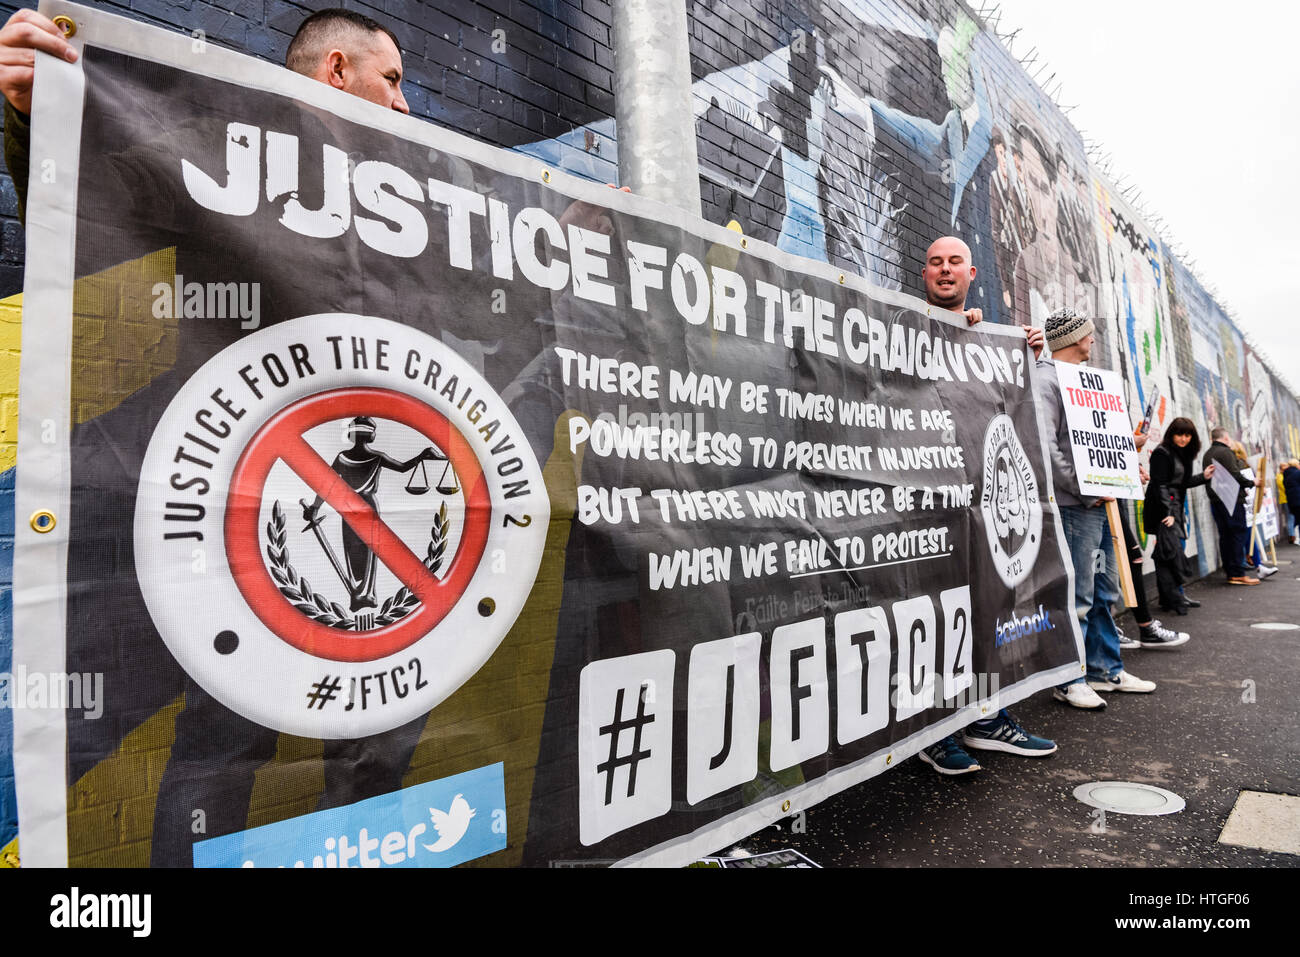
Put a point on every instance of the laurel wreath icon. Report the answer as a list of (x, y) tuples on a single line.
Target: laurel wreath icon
[(319, 608)]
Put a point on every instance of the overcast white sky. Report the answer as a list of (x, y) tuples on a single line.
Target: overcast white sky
[(1197, 103)]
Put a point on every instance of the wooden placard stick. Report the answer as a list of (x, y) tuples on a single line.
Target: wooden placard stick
[(1121, 555), (1259, 502)]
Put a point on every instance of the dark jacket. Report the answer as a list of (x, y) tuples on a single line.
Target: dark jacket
[(1291, 484), (1170, 480), (1224, 458), (18, 139)]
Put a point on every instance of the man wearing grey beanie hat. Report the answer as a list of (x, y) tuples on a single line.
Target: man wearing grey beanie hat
[(1070, 336), (1065, 327)]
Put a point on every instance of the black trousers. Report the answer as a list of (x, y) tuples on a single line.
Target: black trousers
[(1169, 579), (1141, 612), (1234, 537)]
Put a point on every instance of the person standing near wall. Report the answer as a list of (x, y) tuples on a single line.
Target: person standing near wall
[(1070, 336), (1254, 540), (1291, 482), (1172, 474), (1151, 632), (1285, 519), (1234, 532), (948, 273)]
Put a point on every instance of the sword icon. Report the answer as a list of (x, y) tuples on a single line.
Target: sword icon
[(360, 466), (313, 524)]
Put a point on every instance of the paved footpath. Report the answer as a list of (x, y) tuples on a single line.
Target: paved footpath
[(1199, 734)]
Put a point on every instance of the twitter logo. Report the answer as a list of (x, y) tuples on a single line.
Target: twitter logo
[(450, 824), (383, 831)]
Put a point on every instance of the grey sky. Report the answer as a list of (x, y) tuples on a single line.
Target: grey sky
[(1195, 101)]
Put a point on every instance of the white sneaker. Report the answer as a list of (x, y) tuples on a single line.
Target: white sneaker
[(1265, 571), (1079, 695), (1122, 682)]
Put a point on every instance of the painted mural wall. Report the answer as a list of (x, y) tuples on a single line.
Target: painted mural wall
[(855, 131), (849, 131)]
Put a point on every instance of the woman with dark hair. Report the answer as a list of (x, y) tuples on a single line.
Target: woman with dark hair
[(1172, 473)]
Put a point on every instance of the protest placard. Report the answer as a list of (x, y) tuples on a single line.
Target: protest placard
[(1225, 488), (1101, 435)]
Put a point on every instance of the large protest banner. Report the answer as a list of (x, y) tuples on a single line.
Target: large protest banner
[(418, 505)]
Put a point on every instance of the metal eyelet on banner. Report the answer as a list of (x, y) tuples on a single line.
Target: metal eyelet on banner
[(67, 25), (785, 807), (841, 279), (744, 243), (889, 759), (546, 176), (43, 521)]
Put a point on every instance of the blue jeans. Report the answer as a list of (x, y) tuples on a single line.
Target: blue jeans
[(1087, 533)]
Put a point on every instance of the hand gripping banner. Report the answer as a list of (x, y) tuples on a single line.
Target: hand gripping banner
[(421, 505)]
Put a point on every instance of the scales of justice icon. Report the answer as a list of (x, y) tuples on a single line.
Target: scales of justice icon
[(361, 466), (418, 483)]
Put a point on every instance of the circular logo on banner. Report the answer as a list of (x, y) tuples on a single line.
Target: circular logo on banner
[(337, 522), (1013, 513)]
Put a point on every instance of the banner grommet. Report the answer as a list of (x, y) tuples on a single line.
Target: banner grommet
[(67, 25), (43, 521)]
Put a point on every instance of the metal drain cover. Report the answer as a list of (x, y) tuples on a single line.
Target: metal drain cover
[(1275, 626), (1125, 797)]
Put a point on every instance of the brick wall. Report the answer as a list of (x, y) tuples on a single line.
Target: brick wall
[(507, 72)]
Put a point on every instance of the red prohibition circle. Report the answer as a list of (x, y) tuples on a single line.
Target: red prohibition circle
[(281, 439)]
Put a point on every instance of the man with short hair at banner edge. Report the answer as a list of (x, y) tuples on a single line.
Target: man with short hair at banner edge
[(1070, 337), (345, 50), (948, 273), (356, 55), (1234, 525)]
